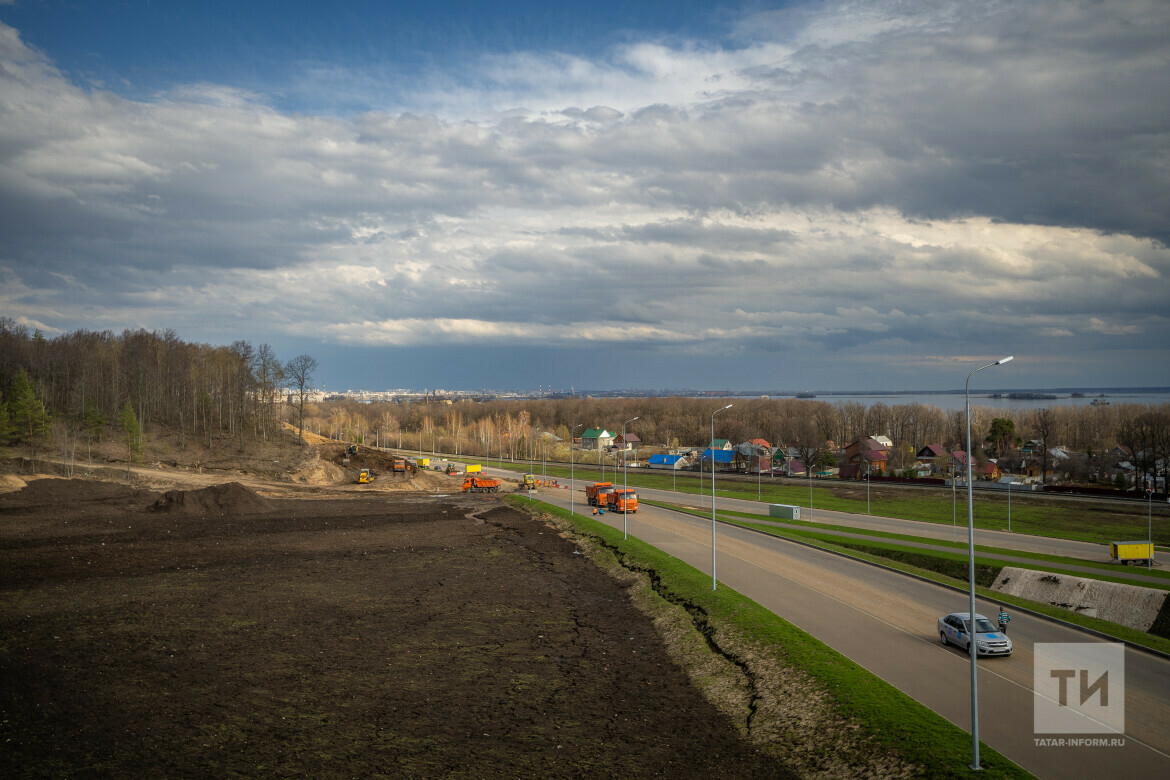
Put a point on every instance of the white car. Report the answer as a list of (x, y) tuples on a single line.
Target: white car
[(955, 629)]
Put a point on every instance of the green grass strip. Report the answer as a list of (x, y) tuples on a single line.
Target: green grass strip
[(768, 524), (1059, 560), (894, 721)]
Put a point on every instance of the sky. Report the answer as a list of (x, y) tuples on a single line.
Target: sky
[(639, 195)]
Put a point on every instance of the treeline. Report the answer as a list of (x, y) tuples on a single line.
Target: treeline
[(86, 379), (516, 429)]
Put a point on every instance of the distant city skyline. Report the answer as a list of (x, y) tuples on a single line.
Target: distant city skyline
[(759, 193)]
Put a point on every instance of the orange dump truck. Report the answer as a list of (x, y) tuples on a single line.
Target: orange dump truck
[(400, 465), (592, 491), (622, 500), (481, 485)]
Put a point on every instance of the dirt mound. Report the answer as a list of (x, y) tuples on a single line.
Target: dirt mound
[(435, 481), (10, 482), (51, 490), (320, 472), (231, 498)]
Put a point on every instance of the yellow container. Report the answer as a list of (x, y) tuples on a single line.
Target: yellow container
[(1131, 552), (474, 469)]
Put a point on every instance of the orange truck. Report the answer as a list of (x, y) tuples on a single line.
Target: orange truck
[(592, 491), (481, 485), (400, 465), (622, 500)]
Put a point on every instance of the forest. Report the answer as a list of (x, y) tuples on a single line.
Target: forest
[(63, 390)]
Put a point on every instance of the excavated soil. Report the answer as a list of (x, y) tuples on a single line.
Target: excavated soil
[(213, 632)]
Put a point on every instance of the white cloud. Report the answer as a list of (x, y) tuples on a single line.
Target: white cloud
[(851, 175)]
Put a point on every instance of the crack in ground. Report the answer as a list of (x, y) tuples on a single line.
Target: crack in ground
[(699, 620)]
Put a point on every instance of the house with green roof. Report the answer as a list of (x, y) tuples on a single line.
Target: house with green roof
[(596, 439)]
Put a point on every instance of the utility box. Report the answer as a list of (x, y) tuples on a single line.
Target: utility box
[(1132, 553), (784, 511)]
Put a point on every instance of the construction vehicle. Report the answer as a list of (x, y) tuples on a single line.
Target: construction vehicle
[(591, 492), (399, 465), (365, 476), (350, 449), (622, 500), (481, 485), (451, 470), (529, 482)]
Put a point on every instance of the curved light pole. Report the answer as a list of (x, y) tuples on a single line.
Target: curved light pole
[(717, 411), (571, 488), (625, 483), (972, 644)]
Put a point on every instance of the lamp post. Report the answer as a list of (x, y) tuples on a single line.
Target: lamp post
[(1150, 486), (625, 482), (572, 490), (717, 411), (972, 644), (867, 468), (954, 504)]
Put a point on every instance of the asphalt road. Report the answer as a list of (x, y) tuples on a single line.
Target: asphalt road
[(887, 623)]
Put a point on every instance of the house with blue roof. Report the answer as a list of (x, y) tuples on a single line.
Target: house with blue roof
[(724, 459), (668, 462)]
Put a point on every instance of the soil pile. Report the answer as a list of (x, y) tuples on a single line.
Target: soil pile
[(320, 472), (232, 498)]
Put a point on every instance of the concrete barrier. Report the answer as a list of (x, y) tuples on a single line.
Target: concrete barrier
[(1127, 605)]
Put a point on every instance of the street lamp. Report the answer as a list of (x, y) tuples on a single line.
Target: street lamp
[(954, 504), (625, 483), (1151, 485), (972, 644), (717, 411), (571, 488)]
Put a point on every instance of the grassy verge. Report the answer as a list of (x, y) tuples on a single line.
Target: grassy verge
[(881, 716), (1065, 560)]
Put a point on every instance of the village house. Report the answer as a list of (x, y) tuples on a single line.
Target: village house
[(863, 457), (596, 439)]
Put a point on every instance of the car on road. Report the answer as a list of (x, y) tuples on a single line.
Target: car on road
[(955, 629)]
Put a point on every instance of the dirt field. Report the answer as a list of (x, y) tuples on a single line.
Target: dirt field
[(235, 629)]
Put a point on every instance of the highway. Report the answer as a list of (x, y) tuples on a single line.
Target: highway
[(886, 622)]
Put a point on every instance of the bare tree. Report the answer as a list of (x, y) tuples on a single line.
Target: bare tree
[(299, 372), (1043, 423)]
